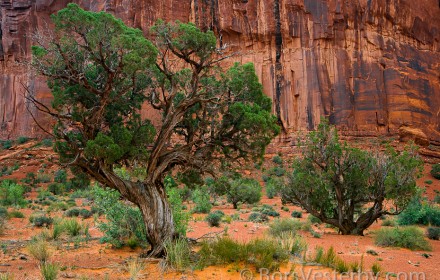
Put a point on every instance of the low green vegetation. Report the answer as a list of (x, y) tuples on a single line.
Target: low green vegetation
[(433, 233), (12, 194), (404, 237), (244, 190), (261, 253), (201, 200), (420, 212), (123, 221), (330, 259), (435, 171)]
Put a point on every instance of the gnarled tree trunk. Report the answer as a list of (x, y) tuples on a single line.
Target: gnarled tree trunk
[(158, 218)]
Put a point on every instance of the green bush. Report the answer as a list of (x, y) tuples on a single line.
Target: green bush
[(433, 233), (56, 188), (244, 191), (15, 214), (122, 221), (429, 182), (30, 179), (214, 219), (257, 217), (60, 176), (404, 237), (41, 220), (313, 219), (272, 187), (278, 160), (218, 187), (420, 212), (72, 227), (262, 253), (6, 144), (78, 212), (79, 182), (47, 142), (277, 171), (3, 217), (178, 255), (22, 139), (202, 202), (49, 271), (280, 226), (296, 214), (180, 216), (43, 178), (389, 223), (11, 194), (435, 171)]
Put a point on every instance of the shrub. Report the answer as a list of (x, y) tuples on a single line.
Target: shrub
[(22, 139), (266, 254), (122, 221), (12, 194), (6, 276), (369, 178), (30, 179), (213, 219), (72, 227), (3, 216), (435, 171), (84, 213), (420, 212), (79, 182), (73, 212), (296, 214), (39, 249), (389, 223), (279, 226), (257, 217), (202, 202), (43, 178), (47, 142), (60, 176), (278, 160), (41, 220), (244, 191), (433, 233), (6, 144), (277, 171), (49, 271), (376, 269), (178, 254), (429, 182), (262, 253), (134, 267), (180, 216), (272, 188), (15, 214), (404, 237), (313, 219), (218, 187), (56, 188)]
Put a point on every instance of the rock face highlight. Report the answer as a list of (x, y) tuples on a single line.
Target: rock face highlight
[(370, 66)]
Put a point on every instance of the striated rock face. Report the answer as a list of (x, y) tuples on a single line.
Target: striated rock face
[(371, 66)]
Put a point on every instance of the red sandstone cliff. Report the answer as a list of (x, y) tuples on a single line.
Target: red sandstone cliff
[(371, 66)]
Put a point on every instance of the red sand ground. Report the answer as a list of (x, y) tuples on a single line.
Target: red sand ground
[(98, 261)]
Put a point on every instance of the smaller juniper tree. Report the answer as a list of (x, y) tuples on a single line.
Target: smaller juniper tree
[(350, 188)]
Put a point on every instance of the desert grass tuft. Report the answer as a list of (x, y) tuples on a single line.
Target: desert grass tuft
[(40, 250), (49, 271)]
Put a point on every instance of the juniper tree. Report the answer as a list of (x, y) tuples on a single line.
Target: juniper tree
[(103, 76), (347, 187)]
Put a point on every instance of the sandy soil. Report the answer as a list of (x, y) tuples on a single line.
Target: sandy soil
[(99, 261)]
